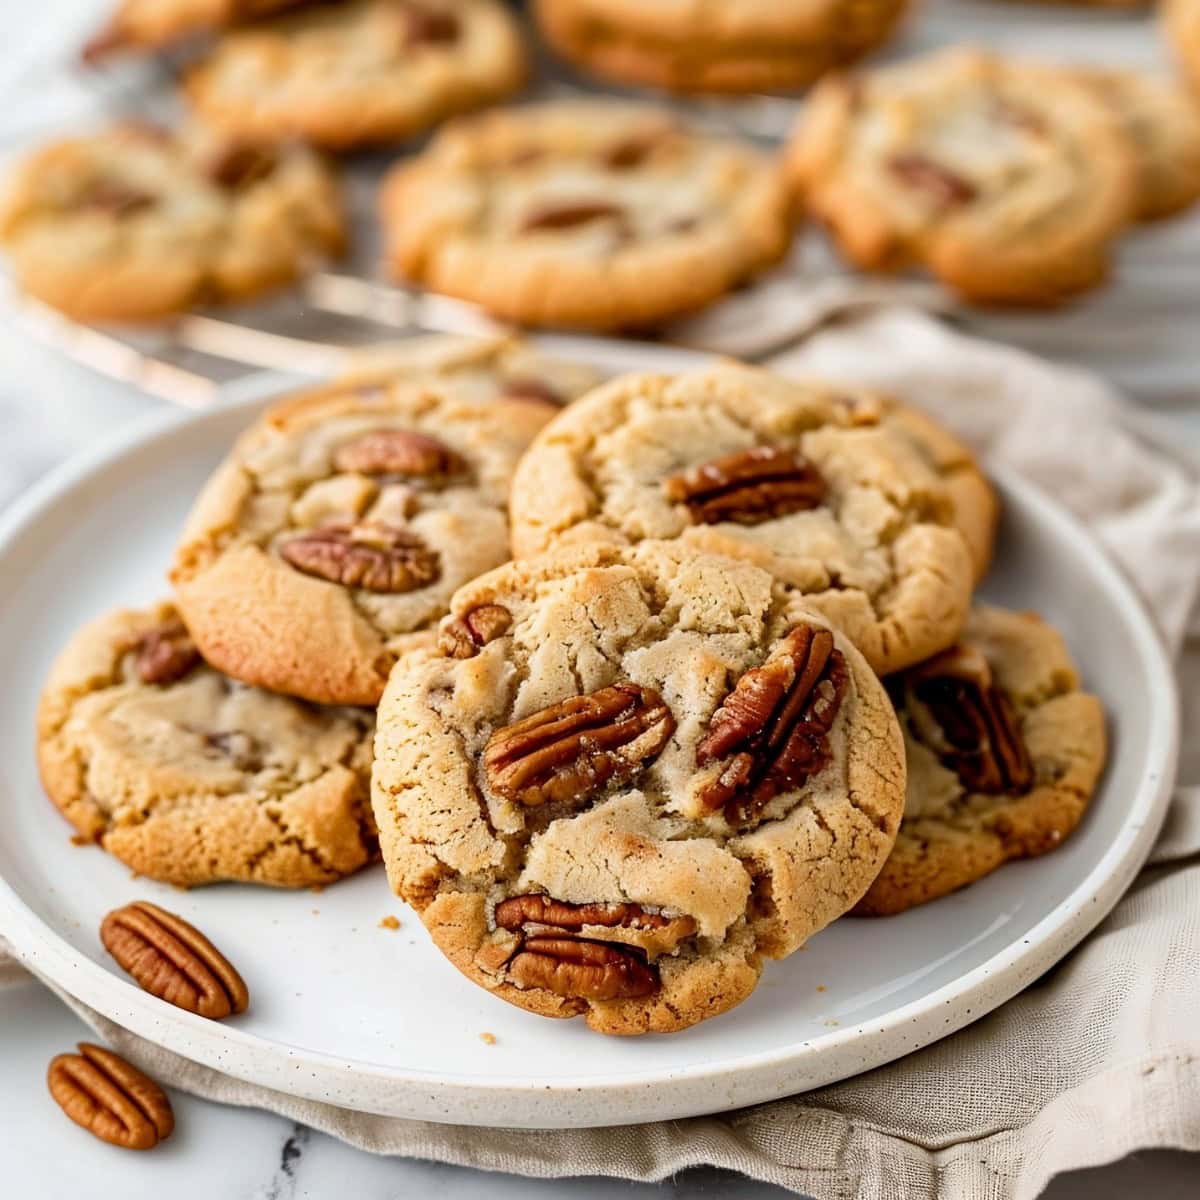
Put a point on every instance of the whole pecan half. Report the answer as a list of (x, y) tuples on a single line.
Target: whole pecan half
[(399, 452), (569, 214), (582, 969), (173, 960), (536, 909), (110, 1098), (462, 636), (118, 199), (166, 654), (775, 724), (375, 557), (575, 747), (957, 710), (748, 487), (944, 186)]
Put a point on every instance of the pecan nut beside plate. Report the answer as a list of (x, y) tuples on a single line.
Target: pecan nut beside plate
[(109, 1098), (376, 558), (775, 723), (748, 487), (165, 655), (173, 960), (577, 746), (399, 452), (957, 710)]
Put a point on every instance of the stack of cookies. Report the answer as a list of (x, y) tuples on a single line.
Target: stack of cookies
[(731, 687)]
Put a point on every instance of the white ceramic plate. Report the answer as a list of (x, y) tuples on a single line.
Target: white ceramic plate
[(351, 1013)]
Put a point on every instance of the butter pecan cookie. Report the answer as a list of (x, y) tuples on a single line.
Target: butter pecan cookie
[(333, 537), (136, 222), (1181, 22), (360, 72), (1006, 180), (586, 214), (188, 777), (629, 775), (1003, 752), (737, 461), (699, 46), (152, 24)]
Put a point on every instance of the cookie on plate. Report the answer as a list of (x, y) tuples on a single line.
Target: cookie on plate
[(360, 72), (587, 214), (1003, 753), (189, 777), (629, 775), (1008, 181), (734, 460), (1181, 21), (137, 222), (153, 24), (1162, 120), (332, 538), (697, 46)]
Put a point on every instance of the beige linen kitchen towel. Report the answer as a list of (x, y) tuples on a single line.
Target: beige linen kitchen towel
[(1098, 1058)]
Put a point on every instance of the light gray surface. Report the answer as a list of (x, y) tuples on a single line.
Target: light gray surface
[(1143, 333)]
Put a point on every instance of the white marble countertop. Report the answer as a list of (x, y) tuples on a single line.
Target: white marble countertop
[(247, 1155)]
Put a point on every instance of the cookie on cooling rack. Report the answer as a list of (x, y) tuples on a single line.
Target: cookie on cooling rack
[(592, 215), (696, 46), (629, 775), (1008, 181), (189, 777), (1004, 751), (360, 72), (330, 541), (737, 461), (137, 222)]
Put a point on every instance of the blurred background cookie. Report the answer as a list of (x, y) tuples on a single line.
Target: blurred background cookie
[(695, 46), (1181, 21), (138, 222), (359, 72), (592, 215), (189, 777), (1007, 180)]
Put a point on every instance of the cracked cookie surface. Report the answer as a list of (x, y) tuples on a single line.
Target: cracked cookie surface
[(1007, 180), (189, 777), (138, 222), (592, 215), (627, 777), (360, 72), (702, 46), (735, 460), (333, 537), (1003, 750)]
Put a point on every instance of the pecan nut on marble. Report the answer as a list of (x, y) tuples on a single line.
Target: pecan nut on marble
[(748, 487), (957, 710), (577, 746), (109, 1098), (173, 960), (462, 636), (165, 655), (374, 557), (585, 970), (403, 452), (771, 733)]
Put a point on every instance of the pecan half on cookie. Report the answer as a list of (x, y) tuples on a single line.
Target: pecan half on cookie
[(1003, 752), (659, 771), (375, 557), (748, 487)]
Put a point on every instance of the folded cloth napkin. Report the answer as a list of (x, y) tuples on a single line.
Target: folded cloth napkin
[(1100, 1057)]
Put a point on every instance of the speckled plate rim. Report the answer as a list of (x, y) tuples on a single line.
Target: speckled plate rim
[(636, 1097)]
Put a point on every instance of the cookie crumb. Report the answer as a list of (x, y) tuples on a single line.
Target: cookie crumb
[(488, 1039), (79, 840), (820, 987), (389, 923), (316, 912)]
